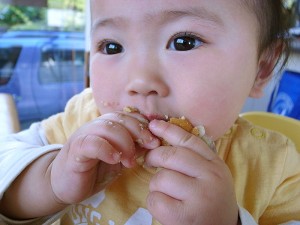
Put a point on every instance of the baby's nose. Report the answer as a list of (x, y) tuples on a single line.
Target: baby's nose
[(147, 86), (145, 78)]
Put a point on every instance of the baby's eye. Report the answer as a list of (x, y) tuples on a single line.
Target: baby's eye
[(110, 48), (184, 42)]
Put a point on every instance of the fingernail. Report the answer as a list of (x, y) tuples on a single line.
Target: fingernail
[(149, 168), (140, 142), (154, 142), (154, 124), (117, 156), (147, 139), (130, 162), (143, 121)]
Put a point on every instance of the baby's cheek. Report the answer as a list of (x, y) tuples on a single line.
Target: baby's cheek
[(219, 127), (215, 120), (109, 106)]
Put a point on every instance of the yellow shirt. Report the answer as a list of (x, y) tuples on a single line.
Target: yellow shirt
[(265, 167)]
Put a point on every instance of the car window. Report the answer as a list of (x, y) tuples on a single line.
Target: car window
[(61, 65), (42, 55), (8, 59)]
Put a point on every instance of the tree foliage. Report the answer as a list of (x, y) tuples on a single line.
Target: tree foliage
[(67, 4), (12, 16)]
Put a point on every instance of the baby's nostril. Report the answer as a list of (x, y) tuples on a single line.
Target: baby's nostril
[(153, 93)]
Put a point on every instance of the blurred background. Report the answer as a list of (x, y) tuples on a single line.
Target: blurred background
[(282, 95), (44, 53)]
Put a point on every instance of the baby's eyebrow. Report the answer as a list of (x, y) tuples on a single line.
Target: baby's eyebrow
[(110, 21), (163, 17), (198, 13)]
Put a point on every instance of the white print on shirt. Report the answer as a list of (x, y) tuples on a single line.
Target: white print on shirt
[(95, 200), (86, 213), (81, 218), (140, 217)]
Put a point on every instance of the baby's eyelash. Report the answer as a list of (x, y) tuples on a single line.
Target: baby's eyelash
[(185, 41), (188, 34), (102, 43), (109, 47)]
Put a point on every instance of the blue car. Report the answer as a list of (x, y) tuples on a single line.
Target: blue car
[(42, 70)]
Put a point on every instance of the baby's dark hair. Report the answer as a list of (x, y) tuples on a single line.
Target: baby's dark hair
[(274, 24)]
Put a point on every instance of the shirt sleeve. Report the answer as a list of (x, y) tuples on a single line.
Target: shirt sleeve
[(285, 203), (245, 217), (291, 223), (49, 220), (17, 151)]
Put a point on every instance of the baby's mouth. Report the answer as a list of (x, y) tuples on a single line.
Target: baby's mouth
[(148, 116), (151, 117), (198, 130)]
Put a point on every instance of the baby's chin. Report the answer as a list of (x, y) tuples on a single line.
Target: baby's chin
[(217, 128)]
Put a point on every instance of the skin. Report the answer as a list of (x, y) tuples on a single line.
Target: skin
[(208, 84)]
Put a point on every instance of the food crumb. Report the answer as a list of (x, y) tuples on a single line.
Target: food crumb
[(130, 109)]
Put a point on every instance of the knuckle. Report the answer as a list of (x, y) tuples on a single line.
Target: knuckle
[(89, 141), (220, 171), (163, 211), (79, 141), (151, 201), (187, 139), (156, 204), (109, 124), (168, 154), (157, 180), (120, 117), (106, 122)]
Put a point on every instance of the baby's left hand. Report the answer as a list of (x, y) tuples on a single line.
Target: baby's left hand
[(194, 185)]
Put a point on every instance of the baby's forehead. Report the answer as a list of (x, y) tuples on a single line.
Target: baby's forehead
[(152, 8)]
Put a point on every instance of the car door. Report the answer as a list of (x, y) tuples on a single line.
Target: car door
[(16, 76), (60, 76), (9, 55)]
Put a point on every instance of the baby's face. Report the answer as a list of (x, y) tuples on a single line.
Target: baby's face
[(192, 58)]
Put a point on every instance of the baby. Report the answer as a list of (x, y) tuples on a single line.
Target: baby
[(195, 58)]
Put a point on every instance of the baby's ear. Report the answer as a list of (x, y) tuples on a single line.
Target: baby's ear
[(266, 64)]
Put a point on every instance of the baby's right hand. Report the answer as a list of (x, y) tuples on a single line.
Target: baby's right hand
[(93, 156)]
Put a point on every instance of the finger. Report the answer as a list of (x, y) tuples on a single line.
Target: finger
[(173, 184), (165, 209), (89, 147), (180, 159), (177, 136), (137, 125), (116, 135)]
